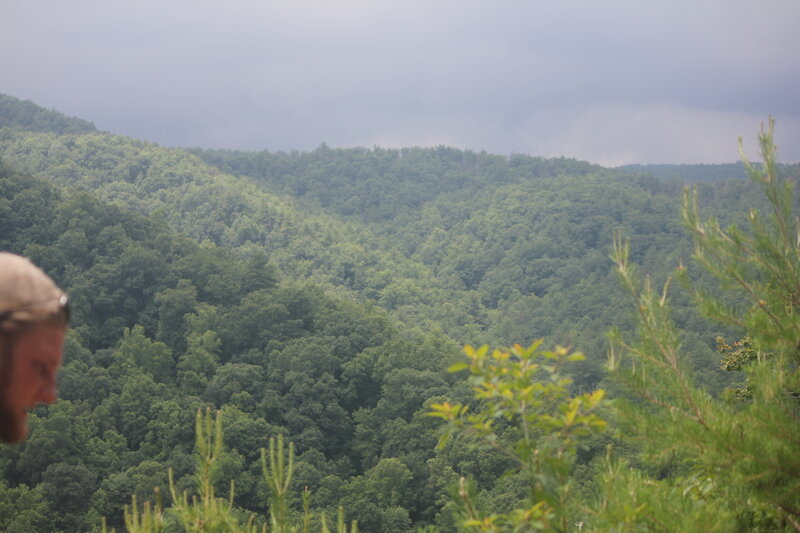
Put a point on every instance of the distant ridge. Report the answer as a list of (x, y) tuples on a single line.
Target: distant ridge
[(691, 173), (27, 115)]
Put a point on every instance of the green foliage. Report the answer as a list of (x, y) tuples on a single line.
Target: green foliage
[(29, 116), (487, 248), (277, 475), (200, 325), (207, 513), (630, 501), (320, 296), (691, 173), (738, 356), (742, 456), (150, 520), (23, 509), (526, 414)]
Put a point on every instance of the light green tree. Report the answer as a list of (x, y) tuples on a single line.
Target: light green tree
[(725, 464), (205, 512), (737, 466), (525, 413)]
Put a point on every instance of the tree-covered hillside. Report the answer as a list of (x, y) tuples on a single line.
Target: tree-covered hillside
[(164, 325), (691, 173), (525, 240), (320, 295), (487, 248), (26, 115)]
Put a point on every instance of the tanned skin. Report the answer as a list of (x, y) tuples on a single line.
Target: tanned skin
[(32, 359)]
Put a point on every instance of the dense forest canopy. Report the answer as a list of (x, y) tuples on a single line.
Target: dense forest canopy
[(470, 243), (320, 295), (691, 173), (26, 115)]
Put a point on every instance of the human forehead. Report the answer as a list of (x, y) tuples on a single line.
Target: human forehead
[(40, 342)]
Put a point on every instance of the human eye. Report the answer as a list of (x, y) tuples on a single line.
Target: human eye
[(41, 368)]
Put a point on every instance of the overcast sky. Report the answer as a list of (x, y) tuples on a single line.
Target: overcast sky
[(611, 82)]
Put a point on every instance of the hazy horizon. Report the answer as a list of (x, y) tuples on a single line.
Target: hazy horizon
[(613, 84)]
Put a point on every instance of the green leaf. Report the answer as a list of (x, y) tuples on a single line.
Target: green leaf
[(457, 367)]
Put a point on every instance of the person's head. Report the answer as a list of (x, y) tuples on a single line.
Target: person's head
[(34, 314)]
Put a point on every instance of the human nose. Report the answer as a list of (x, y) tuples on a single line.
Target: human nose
[(47, 392)]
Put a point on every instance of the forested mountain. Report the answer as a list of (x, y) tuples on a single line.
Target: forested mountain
[(28, 116), (522, 242), (320, 295), (691, 173), (164, 325), (487, 248)]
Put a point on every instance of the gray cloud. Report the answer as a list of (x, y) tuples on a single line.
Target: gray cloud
[(610, 82)]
